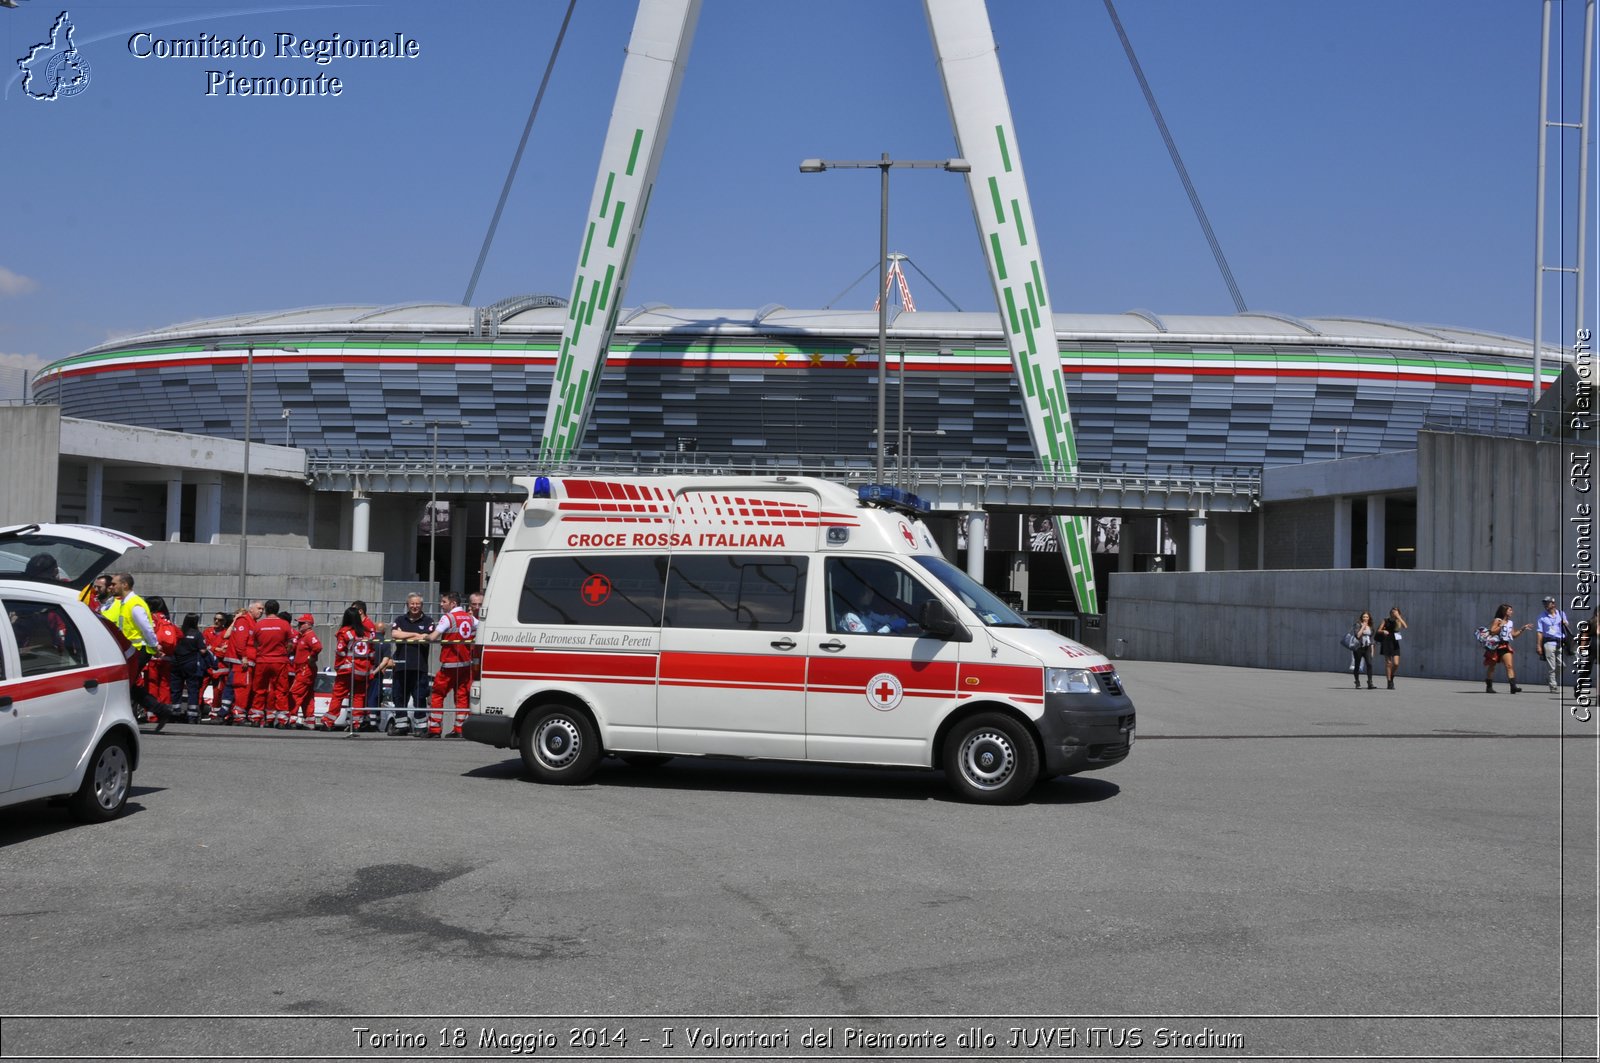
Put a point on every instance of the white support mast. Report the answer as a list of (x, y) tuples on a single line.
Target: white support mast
[(985, 137), (646, 96)]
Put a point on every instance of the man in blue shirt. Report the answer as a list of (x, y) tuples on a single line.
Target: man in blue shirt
[(1552, 635)]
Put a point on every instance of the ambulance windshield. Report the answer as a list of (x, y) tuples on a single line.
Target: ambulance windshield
[(982, 601)]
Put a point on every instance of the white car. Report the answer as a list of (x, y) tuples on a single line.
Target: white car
[(67, 729)]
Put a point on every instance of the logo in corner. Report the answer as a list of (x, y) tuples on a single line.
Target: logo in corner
[(54, 69)]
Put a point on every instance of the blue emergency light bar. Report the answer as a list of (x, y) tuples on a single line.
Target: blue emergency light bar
[(541, 487), (887, 496)]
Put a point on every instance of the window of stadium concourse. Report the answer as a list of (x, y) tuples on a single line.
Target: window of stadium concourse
[(1399, 533)]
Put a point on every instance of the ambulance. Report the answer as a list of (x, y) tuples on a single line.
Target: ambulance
[(782, 618)]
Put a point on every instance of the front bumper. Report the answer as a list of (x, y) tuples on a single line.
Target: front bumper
[(491, 730), (1084, 732)]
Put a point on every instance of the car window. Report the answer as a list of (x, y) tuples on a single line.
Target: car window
[(606, 590), (870, 596), (735, 593), (47, 639)]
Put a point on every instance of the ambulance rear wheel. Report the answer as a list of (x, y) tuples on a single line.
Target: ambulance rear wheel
[(559, 745), (991, 759), (643, 760)]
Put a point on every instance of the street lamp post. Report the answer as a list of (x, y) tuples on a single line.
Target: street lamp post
[(903, 447), (249, 426), (884, 165), (433, 486), (244, 494)]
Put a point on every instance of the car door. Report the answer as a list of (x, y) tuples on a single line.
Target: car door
[(876, 680), (733, 661), (58, 696), (10, 711)]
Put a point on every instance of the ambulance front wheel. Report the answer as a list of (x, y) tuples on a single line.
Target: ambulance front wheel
[(559, 745), (991, 759)]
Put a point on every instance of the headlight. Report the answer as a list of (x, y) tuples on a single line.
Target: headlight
[(1070, 681)]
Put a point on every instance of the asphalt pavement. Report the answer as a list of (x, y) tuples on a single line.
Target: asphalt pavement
[(1285, 865)]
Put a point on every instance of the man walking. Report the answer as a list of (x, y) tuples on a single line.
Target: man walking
[(1552, 632)]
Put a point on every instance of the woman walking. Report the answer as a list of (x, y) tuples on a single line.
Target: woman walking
[(1361, 635), (1499, 648), (1389, 642)]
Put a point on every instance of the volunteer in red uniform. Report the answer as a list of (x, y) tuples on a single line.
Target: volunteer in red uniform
[(455, 632), (352, 663), (302, 690), (240, 656), (158, 672), (274, 648), (218, 674)]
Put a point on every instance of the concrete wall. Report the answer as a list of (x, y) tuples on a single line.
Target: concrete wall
[(202, 577), (29, 440), (1293, 619), (1485, 503)]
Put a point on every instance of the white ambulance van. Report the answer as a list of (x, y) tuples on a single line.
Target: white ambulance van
[(772, 617)]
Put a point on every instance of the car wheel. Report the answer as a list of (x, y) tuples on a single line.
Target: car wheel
[(991, 759), (105, 787), (559, 745), (644, 760)]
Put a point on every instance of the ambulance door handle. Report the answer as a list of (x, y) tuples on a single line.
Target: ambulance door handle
[(784, 644), (91, 685), (5, 703), (832, 647)]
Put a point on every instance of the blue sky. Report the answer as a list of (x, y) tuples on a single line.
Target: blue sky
[(1356, 158)]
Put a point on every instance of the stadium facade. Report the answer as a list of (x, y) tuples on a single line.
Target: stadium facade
[(1251, 389)]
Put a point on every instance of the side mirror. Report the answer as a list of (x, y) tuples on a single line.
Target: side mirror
[(940, 623)]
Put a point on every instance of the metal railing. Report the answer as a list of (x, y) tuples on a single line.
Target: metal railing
[(409, 468)]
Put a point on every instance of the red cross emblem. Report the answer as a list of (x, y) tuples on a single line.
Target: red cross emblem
[(905, 532), (596, 589), (884, 691)]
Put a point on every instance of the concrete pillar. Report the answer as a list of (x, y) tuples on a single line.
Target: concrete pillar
[(458, 548), (1376, 547), (977, 540), (1125, 545), (1343, 511), (1197, 542), (208, 512), (360, 522), (1019, 575), (175, 508), (94, 492)]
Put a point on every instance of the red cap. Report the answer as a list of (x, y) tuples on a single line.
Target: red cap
[(307, 618)]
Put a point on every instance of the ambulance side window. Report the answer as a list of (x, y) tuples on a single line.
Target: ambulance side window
[(737, 593), (611, 590), (47, 639), (871, 596)]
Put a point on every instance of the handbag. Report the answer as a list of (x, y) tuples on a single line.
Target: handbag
[(1350, 642)]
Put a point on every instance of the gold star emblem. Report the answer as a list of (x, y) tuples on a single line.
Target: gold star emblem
[(783, 357), (816, 359), (850, 361)]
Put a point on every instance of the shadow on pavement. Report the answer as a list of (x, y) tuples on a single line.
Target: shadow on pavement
[(776, 777)]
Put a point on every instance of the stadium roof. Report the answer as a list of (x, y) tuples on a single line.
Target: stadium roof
[(1130, 327)]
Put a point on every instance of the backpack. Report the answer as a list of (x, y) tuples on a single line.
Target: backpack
[(167, 634)]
